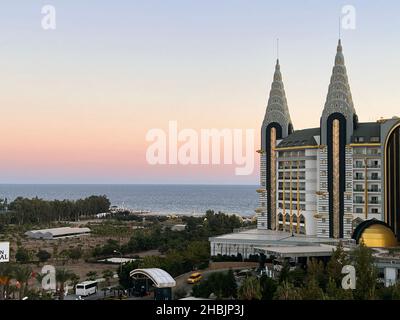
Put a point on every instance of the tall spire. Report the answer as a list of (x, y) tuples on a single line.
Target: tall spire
[(339, 98), (277, 108)]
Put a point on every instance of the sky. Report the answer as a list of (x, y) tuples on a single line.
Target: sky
[(77, 102)]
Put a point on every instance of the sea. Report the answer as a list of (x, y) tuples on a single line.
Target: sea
[(157, 199)]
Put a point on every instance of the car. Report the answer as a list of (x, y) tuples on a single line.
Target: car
[(194, 278)]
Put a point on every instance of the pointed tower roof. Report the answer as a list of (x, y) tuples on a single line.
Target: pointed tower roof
[(339, 97), (277, 108)]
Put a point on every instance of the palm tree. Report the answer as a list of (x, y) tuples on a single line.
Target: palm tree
[(287, 291), (5, 277), (74, 279), (62, 276), (250, 289), (22, 274), (108, 274)]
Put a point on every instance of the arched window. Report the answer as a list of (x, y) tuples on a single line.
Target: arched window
[(302, 219)]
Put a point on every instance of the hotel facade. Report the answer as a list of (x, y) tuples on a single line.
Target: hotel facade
[(327, 183)]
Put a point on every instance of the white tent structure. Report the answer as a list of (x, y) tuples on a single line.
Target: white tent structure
[(56, 233), (160, 278)]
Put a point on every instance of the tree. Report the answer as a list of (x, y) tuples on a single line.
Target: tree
[(333, 292), (62, 276), (366, 273), (74, 279), (75, 253), (250, 289), (312, 291), (92, 275), (284, 274), (108, 274), (316, 273), (287, 291), (22, 255), (6, 274), (268, 287), (125, 279), (43, 255), (335, 265), (22, 274), (222, 284)]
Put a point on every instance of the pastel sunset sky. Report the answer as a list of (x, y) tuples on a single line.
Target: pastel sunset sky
[(76, 102)]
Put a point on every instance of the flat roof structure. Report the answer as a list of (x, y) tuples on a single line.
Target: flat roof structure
[(276, 243), (298, 251), (56, 233), (260, 237)]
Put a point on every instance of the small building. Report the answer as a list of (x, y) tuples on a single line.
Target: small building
[(178, 227), (57, 233)]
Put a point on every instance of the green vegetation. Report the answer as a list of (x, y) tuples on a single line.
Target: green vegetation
[(220, 284), (250, 289), (24, 211), (22, 255), (43, 255)]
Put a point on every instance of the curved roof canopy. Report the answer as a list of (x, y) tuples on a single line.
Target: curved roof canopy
[(160, 278), (375, 234)]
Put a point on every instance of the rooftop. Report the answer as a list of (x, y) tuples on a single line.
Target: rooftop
[(263, 237), (303, 137)]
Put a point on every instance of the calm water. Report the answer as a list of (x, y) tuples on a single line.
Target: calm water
[(163, 199)]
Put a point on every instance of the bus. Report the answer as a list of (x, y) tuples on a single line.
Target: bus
[(86, 288)]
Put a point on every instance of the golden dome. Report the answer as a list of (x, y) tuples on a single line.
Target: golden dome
[(378, 236)]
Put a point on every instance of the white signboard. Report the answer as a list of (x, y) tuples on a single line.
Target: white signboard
[(4, 252)]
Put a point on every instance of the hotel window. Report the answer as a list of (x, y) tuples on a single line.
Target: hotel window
[(359, 210), (323, 220), (323, 185), (348, 221), (262, 204), (359, 164), (348, 185), (374, 210), (374, 188), (374, 176), (348, 197), (348, 209), (374, 164), (358, 187), (374, 151), (323, 231), (374, 200), (323, 173)]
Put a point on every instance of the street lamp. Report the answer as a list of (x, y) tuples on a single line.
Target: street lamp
[(120, 268)]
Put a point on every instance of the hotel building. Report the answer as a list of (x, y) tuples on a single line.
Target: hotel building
[(327, 183)]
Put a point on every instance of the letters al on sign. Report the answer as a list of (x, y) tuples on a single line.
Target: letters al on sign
[(4, 252)]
